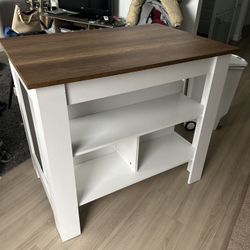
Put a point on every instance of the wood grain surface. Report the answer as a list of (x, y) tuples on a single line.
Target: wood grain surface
[(45, 60)]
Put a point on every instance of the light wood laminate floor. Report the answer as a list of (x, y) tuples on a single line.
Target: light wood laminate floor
[(160, 213)]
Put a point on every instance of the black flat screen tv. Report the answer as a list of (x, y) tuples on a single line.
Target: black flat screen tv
[(89, 7)]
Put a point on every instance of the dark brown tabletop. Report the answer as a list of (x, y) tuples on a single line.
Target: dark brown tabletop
[(45, 60)]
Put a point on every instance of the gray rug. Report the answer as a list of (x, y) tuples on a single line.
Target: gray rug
[(11, 127)]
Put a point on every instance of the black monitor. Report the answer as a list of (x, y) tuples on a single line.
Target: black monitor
[(89, 7)]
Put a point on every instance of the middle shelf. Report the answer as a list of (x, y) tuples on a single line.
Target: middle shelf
[(98, 130)]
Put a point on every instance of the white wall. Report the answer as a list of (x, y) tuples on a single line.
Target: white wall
[(123, 7)]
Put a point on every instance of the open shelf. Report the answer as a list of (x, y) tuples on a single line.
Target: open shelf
[(92, 132), (109, 173)]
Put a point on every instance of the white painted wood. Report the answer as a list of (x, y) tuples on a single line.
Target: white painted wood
[(53, 133), (157, 134), (118, 128), (213, 88), (37, 126), (42, 178), (98, 130), (25, 117), (117, 101), (94, 154), (128, 149), (109, 173), (114, 85), (23, 114), (112, 148)]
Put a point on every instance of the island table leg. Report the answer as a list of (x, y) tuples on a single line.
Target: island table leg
[(212, 92), (49, 107)]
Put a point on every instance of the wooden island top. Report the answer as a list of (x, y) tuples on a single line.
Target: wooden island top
[(46, 60)]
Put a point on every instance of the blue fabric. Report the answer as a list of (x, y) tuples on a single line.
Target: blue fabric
[(8, 32)]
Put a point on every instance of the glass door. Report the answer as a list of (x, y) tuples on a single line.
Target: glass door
[(222, 20)]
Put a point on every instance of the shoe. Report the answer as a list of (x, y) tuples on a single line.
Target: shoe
[(5, 157)]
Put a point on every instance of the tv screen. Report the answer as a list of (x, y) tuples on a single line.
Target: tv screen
[(91, 7)]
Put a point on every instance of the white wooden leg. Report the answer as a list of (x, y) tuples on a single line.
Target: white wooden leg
[(128, 149), (53, 133), (24, 114), (210, 100)]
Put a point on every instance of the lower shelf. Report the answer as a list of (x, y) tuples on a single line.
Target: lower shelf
[(109, 173)]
